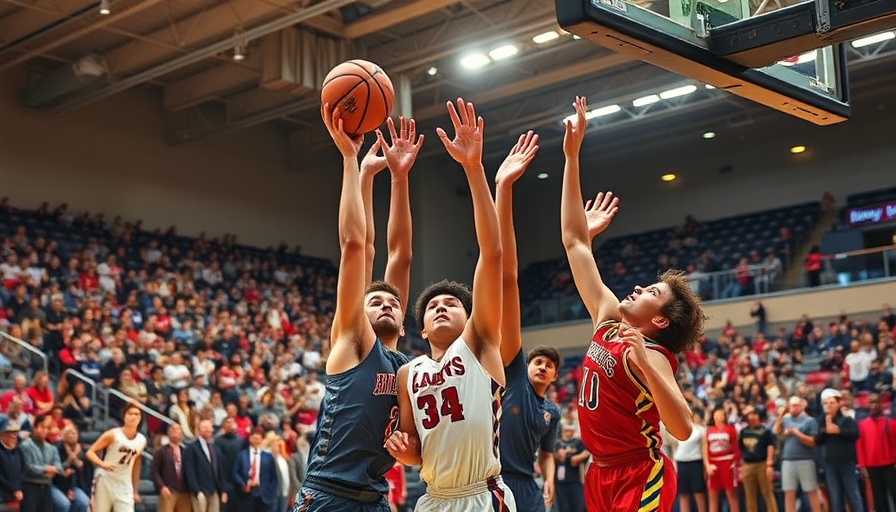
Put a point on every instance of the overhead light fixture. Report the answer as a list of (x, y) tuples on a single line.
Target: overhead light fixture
[(709, 86), (668, 177), (873, 39), (542, 176), (597, 112), (678, 91), (544, 37), (432, 71), (797, 149), (709, 135), (503, 52), (239, 47), (645, 100), (475, 60), (105, 9)]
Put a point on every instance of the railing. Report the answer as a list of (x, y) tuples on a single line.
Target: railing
[(28, 347), (841, 269), (124, 398)]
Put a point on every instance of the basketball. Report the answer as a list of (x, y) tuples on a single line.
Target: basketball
[(362, 92)]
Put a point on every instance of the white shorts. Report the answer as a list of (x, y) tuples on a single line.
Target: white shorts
[(495, 497), (110, 495)]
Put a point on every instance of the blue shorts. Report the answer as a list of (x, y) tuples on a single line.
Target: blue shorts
[(526, 493), (313, 500)]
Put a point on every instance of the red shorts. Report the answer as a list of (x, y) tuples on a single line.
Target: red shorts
[(639, 486), (725, 476)]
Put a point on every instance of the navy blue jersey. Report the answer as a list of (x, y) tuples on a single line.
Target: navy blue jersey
[(359, 411), (528, 422)]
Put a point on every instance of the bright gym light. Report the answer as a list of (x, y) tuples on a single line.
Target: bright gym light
[(709, 135), (474, 60), (797, 149), (678, 91), (645, 100), (873, 39), (503, 52), (544, 37), (668, 177)]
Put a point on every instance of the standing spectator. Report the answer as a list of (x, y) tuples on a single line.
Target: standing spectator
[(77, 406), (876, 453), (757, 447), (68, 492), (689, 459), (398, 492), (812, 265), (757, 311), (255, 476), (204, 472), (227, 446), (798, 430), (570, 454), (180, 412), (837, 436), (168, 474), (42, 465), (721, 454), (859, 360), (12, 464)]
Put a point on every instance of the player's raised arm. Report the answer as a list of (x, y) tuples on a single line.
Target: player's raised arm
[(598, 299), (484, 325), (400, 157), (351, 335), (371, 165), (510, 171)]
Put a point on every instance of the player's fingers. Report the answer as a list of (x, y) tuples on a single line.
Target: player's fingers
[(463, 112), (452, 114), (588, 204), (391, 124), (419, 143), (412, 130)]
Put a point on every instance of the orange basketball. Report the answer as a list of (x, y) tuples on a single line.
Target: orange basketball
[(362, 92)]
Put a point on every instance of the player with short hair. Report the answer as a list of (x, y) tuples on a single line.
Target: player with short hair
[(628, 375), (115, 483), (529, 421), (449, 401), (347, 462)]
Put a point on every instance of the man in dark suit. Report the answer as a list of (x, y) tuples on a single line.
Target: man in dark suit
[(12, 464), (255, 476), (203, 472), (168, 474), (228, 445)]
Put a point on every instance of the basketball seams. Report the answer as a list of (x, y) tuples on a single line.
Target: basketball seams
[(344, 80)]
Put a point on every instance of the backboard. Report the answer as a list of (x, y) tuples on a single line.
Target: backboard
[(685, 37)]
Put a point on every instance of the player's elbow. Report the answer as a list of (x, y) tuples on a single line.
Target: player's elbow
[(350, 245), (571, 240), (400, 256), (682, 431)]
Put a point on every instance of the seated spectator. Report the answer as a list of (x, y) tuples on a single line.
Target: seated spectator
[(40, 393), (177, 375), (75, 479), (18, 390), (199, 393), (77, 406), (131, 387), (16, 416)]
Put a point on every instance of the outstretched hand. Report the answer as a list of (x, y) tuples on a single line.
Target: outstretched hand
[(518, 159), (373, 162), (347, 144), (400, 156), (466, 147), (575, 130), (599, 213)]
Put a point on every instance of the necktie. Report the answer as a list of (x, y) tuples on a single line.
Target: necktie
[(175, 453), (252, 472)]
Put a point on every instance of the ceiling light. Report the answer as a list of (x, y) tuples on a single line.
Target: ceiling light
[(602, 111), (668, 177), (709, 86), (797, 149), (104, 8), (503, 52), (678, 91), (239, 54), (432, 71), (872, 39), (646, 100), (542, 176), (474, 60), (709, 135), (544, 37)]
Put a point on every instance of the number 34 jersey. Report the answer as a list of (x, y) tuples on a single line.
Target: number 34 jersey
[(457, 406), (617, 415)]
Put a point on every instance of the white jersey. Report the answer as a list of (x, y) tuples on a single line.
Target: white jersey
[(457, 406), (122, 452)]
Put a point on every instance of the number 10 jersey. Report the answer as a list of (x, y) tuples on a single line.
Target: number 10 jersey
[(457, 406)]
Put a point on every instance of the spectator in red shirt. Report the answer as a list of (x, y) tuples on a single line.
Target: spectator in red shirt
[(19, 390), (876, 453), (40, 393), (812, 265)]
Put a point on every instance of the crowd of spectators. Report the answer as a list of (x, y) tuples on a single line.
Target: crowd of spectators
[(205, 329)]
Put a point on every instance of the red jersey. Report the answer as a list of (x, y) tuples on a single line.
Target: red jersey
[(617, 415), (721, 443)]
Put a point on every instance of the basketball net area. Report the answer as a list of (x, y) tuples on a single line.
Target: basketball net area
[(784, 54)]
